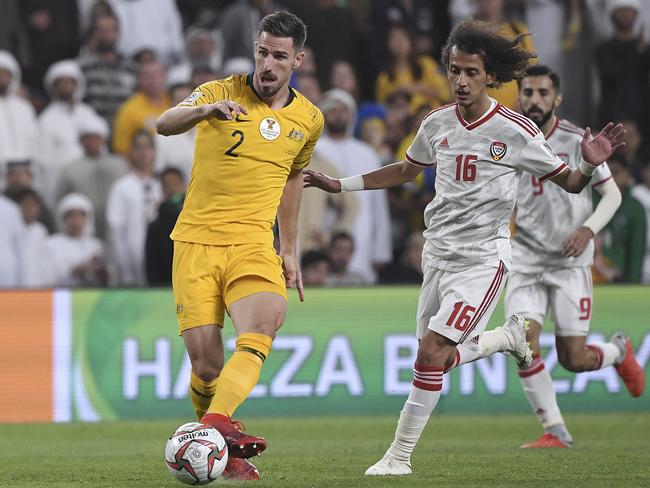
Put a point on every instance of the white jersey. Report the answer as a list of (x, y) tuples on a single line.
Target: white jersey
[(478, 170), (547, 215)]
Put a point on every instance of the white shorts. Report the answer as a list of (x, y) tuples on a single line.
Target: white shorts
[(458, 305), (568, 292)]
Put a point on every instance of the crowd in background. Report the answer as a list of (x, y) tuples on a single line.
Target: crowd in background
[(91, 193)]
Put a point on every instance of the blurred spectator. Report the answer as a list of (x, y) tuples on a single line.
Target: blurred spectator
[(159, 248), (642, 193), (633, 141), (624, 237), (623, 67), (346, 44), (308, 65), (142, 109), (344, 78), (203, 74), (237, 66), (132, 204), (110, 77), (239, 27), (416, 15), (409, 268), (201, 50), (18, 129), (13, 36), (12, 239), (58, 123), (373, 132), (492, 12), (371, 232), (89, 12), (95, 172), (150, 24), (75, 256), (314, 266), (53, 31), (35, 273), (322, 212), (339, 252), (20, 177), (176, 151), (397, 121), (308, 85)]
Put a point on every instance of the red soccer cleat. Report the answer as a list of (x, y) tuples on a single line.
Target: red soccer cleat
[(544, 442), (240, 445), (241, 470), (629, 369)]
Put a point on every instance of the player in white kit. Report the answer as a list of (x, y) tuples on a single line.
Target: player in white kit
[(552, 251), (480, 149)]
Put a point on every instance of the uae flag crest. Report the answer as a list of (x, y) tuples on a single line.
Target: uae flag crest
[(498, 150)]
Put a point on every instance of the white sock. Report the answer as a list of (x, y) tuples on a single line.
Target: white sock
[(539, 389), (608, 353), (492, 341), (422, 399)]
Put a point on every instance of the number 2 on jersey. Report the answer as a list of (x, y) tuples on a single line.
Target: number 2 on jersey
[(231, 151), (465, 170)]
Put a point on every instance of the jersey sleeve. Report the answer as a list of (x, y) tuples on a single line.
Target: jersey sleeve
[(304, 156), (601, 175), (539, 159), (421, 151), (209, 92)]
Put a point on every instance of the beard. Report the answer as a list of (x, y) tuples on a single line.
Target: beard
[(105, 47), (538, 116), (269, 90), (337, 128)]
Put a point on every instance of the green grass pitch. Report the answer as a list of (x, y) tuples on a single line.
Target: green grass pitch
[(612, 450)]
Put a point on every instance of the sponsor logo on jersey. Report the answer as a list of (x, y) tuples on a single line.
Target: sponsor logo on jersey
[(296, 135), (239, 119), (498, 150), (179, 308), (270, 129), (444, 144)]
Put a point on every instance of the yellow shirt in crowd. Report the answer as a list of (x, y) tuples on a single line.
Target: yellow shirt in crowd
[(431, 76), (138, 112), (241, 166)]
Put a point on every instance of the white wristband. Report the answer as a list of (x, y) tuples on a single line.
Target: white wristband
[(352, 183), (586, 168)]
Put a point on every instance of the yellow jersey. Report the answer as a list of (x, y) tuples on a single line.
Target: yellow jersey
[(241, 166), (138, 112)]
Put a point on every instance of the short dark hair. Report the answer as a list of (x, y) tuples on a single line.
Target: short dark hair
[(172, 170), (284, 24), (313, 257), (341, 236), (542, 70), (506, 59), (143, 133)]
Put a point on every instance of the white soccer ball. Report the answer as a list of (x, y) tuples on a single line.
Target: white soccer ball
[(196, 454)]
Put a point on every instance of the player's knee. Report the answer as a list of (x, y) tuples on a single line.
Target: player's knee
[(207, 369), (434, 350), (571, 362)]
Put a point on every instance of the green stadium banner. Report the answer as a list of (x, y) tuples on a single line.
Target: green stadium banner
[(343, 351)]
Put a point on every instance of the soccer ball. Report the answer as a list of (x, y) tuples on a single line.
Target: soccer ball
[(196, 454)]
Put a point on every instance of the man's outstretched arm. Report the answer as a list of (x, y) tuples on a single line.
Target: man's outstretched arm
[(391, 175), (179, 119)]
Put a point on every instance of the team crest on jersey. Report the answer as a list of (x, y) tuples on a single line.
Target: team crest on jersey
[(498, 150), (270, 129), (296, 135)]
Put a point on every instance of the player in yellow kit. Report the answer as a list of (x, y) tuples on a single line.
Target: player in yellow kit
[(254, 135)]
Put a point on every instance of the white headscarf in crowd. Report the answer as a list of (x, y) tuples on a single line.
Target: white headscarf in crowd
[(8, 62), (76, 201), (338, 96), (65, 69)]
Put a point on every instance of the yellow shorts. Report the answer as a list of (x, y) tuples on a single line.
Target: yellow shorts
[(207, 279)]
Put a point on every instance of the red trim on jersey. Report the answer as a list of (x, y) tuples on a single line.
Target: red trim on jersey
[(520, 121), (489, 296), (569, 127), (601, 181), (555, 125), (437, 110), (417, 163), (477, 122), (553, 173), (525, 373)]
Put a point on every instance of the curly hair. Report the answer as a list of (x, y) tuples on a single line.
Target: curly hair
[(506, 59)]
